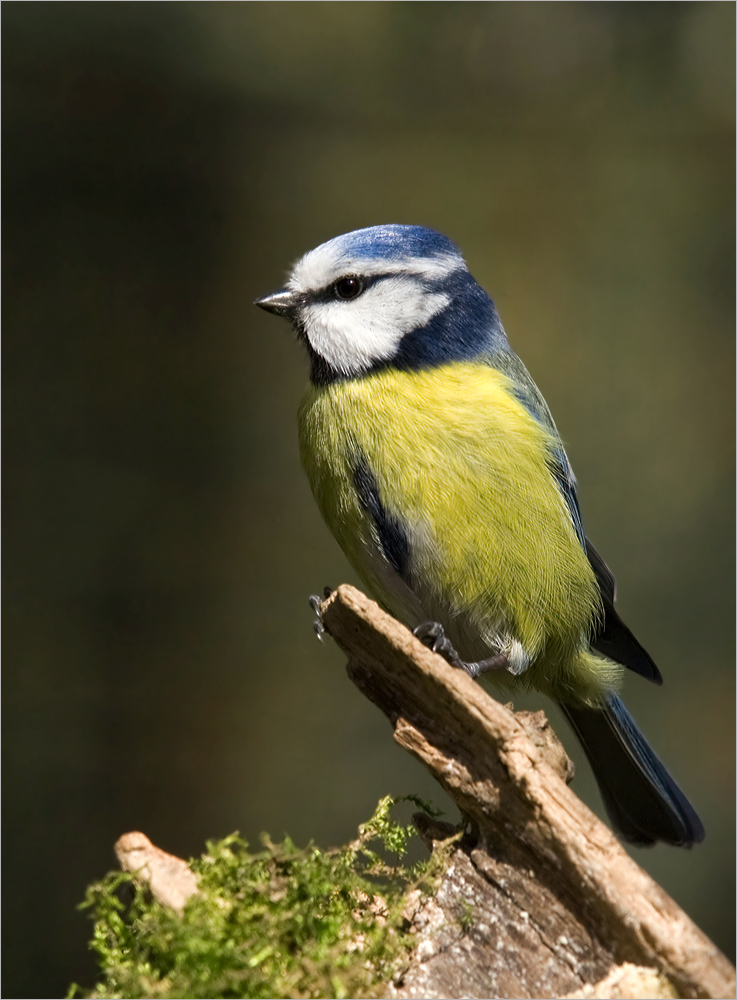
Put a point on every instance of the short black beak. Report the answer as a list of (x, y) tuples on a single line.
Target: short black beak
[(283, 303)]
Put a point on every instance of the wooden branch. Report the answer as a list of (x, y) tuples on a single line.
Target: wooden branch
[(542, 899)]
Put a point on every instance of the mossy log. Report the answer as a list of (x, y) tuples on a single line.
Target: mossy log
[(536, 898)]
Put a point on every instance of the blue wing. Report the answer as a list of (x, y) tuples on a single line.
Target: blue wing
[(390, 530), (612, 637)]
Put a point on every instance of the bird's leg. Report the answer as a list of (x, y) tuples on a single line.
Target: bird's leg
[(432, 634), (316, 605)]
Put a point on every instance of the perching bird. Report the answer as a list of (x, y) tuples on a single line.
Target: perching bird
[(436, 464)]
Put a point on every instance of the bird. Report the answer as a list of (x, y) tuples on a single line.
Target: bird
[(436, 464)]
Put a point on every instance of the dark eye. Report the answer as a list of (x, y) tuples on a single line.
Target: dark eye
[(349, 287)]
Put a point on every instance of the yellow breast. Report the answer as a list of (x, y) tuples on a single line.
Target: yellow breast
[(464, 466)]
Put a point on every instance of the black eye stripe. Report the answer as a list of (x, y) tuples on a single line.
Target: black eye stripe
[(328, 294)]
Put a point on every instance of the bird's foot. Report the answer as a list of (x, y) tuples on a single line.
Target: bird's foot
[(316, 605), (432, 635)]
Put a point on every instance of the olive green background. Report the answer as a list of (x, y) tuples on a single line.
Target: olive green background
[(164, 165)]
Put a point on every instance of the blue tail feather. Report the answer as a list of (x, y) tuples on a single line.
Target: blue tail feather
[(643, 802)]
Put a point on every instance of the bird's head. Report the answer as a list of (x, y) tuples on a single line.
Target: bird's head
[(388, 295)]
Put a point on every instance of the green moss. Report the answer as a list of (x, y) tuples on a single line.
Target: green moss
[(283, 922)]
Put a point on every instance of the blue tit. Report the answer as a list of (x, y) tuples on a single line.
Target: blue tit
[(436, 464)]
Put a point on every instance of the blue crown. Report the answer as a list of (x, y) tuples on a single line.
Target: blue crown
[(395, 241)]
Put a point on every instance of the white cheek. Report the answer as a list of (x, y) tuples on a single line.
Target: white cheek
[(351, 336)]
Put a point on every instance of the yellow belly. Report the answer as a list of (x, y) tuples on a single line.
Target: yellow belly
[(463, 465)]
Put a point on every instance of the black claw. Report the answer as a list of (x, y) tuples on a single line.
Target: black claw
[(316, 605), (429, 630), (432, 635)]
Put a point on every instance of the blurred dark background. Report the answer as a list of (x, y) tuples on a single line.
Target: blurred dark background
[(164, 164)]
